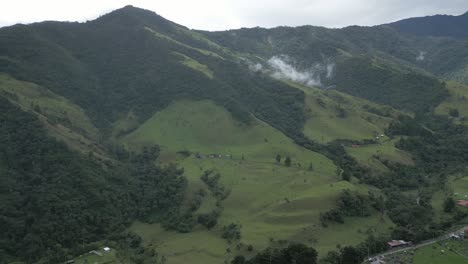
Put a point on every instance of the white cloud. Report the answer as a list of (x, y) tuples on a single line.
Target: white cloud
[(220, 15), (282, 69)]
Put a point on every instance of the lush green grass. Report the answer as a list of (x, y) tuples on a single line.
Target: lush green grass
[(167, 38), (458, 99), (432, 254), (444, 252), (36, 98), (268, 200), (258, 202), (64, 120), (366, 155), (207, 128), (457, 187), (193, 64), (107, 257), (326, 122), (460, 187)]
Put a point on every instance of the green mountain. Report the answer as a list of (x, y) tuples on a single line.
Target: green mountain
[(134, 132), (437, 26)]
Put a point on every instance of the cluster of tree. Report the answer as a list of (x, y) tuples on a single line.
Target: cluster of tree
[(348, 204), (293, 254), (211, 179), (131, 250), (220, 192), (355, 255), (335, 151), (54, 199), (287, 160), (231, 232), (365, 78)]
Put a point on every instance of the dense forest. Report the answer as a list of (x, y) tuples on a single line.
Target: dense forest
[(55, 200)]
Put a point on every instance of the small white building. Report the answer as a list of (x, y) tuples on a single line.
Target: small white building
[(106, 249)]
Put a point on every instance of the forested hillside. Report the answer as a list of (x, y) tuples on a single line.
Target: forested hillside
[(436, 26), (282, 145), (54, 200)]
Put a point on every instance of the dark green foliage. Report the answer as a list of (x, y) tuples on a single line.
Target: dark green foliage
[(355, 255), (437, 144), (231, 232), (131, 249), (332, 215), (348, 204), (415, 221), (287, 161), (183, 222), (449, 205), (209, 220), (293, 254), (278, 158), (359, 76), (438, 25), (453, 112), (114, 65), (238, 260), (56, 199), (216, 188), (341, 112)]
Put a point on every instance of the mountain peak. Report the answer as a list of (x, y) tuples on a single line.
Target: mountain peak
[(134, 16)]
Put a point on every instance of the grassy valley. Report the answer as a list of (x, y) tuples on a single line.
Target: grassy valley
[(268, 200), (172, 145)]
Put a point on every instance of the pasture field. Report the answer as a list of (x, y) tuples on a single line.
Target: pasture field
[(270, 201)]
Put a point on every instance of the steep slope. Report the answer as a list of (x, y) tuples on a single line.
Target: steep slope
[(105, 66), (267, 158), (267, 199), (55, 200), (65, 121), (375, 63)]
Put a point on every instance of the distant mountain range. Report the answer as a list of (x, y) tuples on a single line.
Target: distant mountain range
[(435, 26)]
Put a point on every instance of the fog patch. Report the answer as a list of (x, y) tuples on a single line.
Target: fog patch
[(421, 56), (256, 67), (282, 68), (330, 70)]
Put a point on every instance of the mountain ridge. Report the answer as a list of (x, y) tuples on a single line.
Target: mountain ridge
[(256, 137)]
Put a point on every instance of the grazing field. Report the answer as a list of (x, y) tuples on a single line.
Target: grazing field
[(460, 187), (369, 155), (270, 201), (333, 115), (206, 128), (437, 254), (458, 99)]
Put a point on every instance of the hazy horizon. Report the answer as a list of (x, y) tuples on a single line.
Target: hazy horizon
[(223, 15)]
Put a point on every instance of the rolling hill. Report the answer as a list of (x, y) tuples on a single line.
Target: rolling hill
[(174, 145)]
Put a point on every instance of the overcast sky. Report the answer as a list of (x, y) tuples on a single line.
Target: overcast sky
[(227, 14)]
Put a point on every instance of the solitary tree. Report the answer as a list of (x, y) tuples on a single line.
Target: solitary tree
[(449, 205), (287, 161), (311, 167), (278, 158), (454, 112)]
